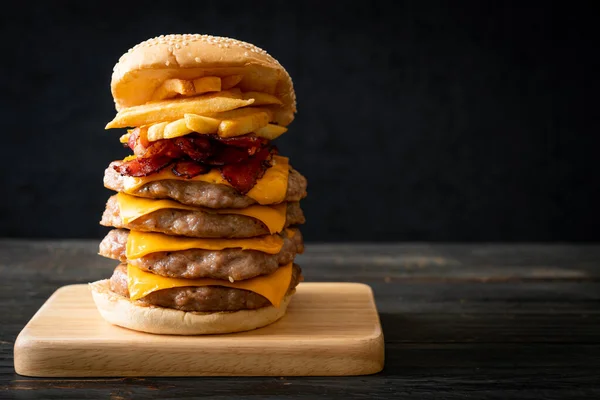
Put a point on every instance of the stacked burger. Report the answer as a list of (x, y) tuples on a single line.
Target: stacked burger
[(206, 212)]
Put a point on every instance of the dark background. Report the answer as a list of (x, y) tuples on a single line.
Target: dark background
[(457, 121)]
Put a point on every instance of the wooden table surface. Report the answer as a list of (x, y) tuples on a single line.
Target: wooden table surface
[(460, 321)]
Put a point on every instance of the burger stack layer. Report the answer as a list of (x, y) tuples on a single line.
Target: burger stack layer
[(206, 212)]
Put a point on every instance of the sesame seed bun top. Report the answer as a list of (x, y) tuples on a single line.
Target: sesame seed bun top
[(145, 66)]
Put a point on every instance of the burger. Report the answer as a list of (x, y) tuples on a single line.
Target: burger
[(206, 211)]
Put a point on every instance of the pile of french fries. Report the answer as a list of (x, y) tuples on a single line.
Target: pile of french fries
[(207, 105)]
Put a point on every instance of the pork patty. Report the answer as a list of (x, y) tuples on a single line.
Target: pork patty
[(204, 298), (198, 223), (201, 194), (197, 263)]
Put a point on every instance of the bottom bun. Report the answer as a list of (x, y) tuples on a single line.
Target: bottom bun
[(119, 310)]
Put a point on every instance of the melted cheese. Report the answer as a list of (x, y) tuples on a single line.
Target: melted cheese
[(272, 216), (140, 244), (132, 207), (270, 189), (273, 286)]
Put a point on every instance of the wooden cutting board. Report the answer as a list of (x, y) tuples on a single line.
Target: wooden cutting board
[(329, 329)]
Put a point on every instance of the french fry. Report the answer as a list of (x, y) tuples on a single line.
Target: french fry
[(176, 129), (172, 110), (156, 131), (236, 93), (242, 125), (201, 124), (227, 82), (171, 88), (261, 99), (240, 112), (207, 84), (124, 139), (270, 131)]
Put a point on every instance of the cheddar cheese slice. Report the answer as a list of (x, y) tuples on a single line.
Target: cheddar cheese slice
[(132, 207), (270, 189), (140, 244), (273, 286)]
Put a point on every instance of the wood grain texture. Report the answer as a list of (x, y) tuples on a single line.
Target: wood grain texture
[(482, 321), (330, 329)]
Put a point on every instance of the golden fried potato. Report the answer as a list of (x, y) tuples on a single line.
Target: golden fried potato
[(207, 84), (167, 130), (171, 88), (201, 124), (172, 110), (242, 125), (270, 131), (125, 138), (261, 99), (240, 112), (236, 93), (176, 129), (228, 82), (156, 131)]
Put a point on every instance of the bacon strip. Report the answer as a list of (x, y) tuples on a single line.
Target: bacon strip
[(228, 155), (242, 141), (162, 148), (138, 140), (189, 169), (133, 137), (243, 176), (142, 166), (242, 160), (196, 148)]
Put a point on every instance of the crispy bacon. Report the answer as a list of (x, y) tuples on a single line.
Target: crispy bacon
[(161, 148), (142, 166), (196, 148), (189, 169), (212, 150), (243, 176), (251, 144), (242, 141), (241, 160), (138, 140), (228, 155), (133, 137)]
